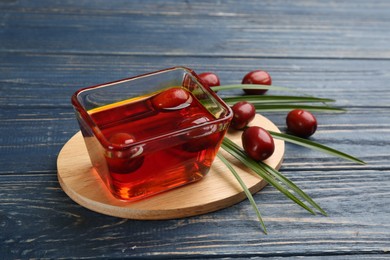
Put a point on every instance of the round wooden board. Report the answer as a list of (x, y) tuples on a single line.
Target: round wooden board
[(219, 189)]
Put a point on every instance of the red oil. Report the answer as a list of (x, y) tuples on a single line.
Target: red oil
[(158, 142)]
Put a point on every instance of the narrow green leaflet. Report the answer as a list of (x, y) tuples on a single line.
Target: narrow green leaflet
[(264, 103), (292, 186), (239, 154), (245, 188), (288, 107), (279, 103), (271, 99), (315, 146), (250, 86)]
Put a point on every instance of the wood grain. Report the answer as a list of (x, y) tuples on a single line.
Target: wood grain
[(179, 28), (336, 49)]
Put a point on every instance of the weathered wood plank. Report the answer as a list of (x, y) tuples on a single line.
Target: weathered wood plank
[(32, 138), (187, 28), (47, 80), (35, 98), (357, 223), (41, 134), (49, 49)]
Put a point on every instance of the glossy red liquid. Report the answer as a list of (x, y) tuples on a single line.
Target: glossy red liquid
[(138, 163)]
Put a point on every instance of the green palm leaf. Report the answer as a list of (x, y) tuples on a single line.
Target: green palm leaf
[(270, 99), (292, 186), (239, 154), (275, 103), (315, 146), (288, 107), (245, 188), (250, 86)]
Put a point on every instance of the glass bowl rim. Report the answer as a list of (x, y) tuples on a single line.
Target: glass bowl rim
[(85, 116)]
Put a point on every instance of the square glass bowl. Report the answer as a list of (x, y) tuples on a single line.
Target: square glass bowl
[(153, 132)]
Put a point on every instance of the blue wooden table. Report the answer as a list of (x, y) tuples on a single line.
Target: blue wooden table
[(335, 49)]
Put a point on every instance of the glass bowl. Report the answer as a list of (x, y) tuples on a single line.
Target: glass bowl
[(151, 133)]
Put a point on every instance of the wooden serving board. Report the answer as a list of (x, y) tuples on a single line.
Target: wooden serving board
[(218, 190)]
